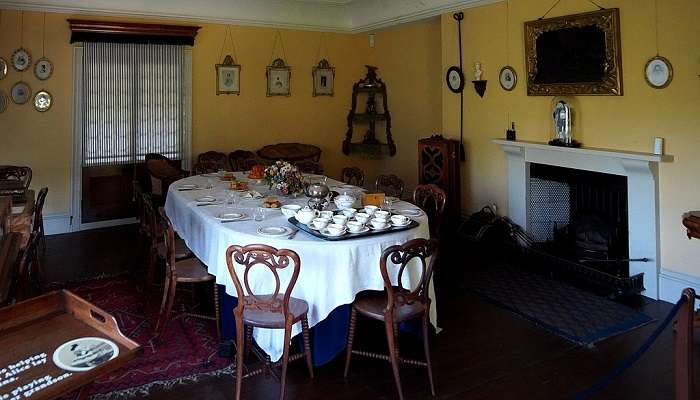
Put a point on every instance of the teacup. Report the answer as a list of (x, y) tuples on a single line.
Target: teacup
[(382, 214), (340, 219), (370, 210), (378, 223), (326, 214), (320, 222), (354, 226), (362, 217), (349, 212), (335, 229), (400, 219)]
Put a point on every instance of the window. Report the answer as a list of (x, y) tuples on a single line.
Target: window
[(133, 102)]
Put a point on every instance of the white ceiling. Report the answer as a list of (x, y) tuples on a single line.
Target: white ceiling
[(324, 15)]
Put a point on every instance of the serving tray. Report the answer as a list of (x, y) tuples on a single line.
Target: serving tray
[(349, 236)]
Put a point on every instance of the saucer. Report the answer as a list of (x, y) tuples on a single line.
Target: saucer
[(410, 212), (205, 199), (187, 186), (325, 232), (379, 229), (400, 225), (363, 230), (231, 216)]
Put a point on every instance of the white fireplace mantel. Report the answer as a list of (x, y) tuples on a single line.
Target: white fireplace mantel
[(641, 170)]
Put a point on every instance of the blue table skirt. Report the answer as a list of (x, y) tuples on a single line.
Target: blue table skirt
[(328, 337)]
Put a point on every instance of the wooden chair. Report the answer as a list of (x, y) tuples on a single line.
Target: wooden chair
[(9, 254), (309, 167), (398, 305), (211, 161), (157, 247), (276, 310), (432, 200), (29, 278), (189, 270), (38, 224), (390, 184), (352, 176), (14, 180), (162, 173), (242, 160)]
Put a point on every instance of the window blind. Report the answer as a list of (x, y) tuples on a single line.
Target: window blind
[(133, 101)]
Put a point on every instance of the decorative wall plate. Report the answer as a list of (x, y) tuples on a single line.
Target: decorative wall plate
[(455, 79), (43, 69), (20, 92), (508, 78), (4, 101), (3, 68), (658, 72), (42, 101), (21, 60)]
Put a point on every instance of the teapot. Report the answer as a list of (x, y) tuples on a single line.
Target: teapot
[(344, 201), (318, 192), (306, 215)]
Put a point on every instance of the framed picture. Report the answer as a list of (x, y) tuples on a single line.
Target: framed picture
[(323, 76), (279, 76), (658, 72), (228, 77), (508, 78)]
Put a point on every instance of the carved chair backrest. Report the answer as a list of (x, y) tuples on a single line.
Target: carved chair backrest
[(401, 255), (16, 173), (150, 219), (352, 176), (39, 210), (27, 267), (240, 159), (162, 174), (214, 159), (431, 199), (272, 259), (309, 167), (390, 184)]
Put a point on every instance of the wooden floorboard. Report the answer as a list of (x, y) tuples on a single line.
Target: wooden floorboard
[(483, 352)]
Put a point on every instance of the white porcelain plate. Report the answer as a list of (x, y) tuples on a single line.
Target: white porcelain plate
[(274, 231), (411, 212), (230, 216), (187, 186), (85, 353), (325, 232), (205, 199)]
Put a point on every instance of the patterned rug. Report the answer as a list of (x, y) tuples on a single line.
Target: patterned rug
[(186, 352), (572, 313)]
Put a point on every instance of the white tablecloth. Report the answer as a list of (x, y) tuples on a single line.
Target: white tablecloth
[(332, 272)]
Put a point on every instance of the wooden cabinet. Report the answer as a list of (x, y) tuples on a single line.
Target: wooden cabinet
[(438, 163)]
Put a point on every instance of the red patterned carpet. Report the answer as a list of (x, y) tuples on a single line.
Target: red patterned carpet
[(186, 351)]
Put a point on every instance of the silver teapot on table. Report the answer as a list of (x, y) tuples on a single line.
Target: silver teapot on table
[(318, 191)]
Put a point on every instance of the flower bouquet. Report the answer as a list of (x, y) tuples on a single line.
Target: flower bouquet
[(284, 177)]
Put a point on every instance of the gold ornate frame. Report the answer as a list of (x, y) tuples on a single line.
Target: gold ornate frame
[(608, 21)]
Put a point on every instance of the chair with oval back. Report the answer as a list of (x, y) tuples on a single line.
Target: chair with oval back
[(14, 180), (277, 310), (212, 161), (398, 304), (352, 176), (432, 200), (242, 160), (189, 270), (309, 167), (38, 224), (390, 184)]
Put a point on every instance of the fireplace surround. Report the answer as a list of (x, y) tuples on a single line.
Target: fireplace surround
[(640, 171)]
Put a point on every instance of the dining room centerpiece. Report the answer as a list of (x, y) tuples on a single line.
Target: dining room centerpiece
[(285, 178)]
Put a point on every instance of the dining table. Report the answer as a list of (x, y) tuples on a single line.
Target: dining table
[(332, 273)]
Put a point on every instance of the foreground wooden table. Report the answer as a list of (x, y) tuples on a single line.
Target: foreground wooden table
[(41, 325)]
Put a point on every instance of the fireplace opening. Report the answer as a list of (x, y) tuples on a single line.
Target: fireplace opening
[(580, 219)]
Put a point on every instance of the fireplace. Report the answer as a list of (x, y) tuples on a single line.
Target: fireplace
[(597, 212)]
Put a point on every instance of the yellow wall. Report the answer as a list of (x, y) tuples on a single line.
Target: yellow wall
[(628, 122)]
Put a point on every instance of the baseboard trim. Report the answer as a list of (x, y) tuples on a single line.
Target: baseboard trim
[(672, 283), (56, 224), (107, 224)]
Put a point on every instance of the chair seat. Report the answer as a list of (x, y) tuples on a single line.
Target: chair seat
[(192, 270), (373, 306), (181, 249), (270, 319)]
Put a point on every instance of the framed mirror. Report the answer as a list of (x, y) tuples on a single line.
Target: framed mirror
[(574, 54)]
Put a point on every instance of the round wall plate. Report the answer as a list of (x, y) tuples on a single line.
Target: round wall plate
[(42, 101), (21, 92), (3, 68), (455, 79), (21, 60), (508, 78), (658, 72), (43, 69), (4, 101)]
